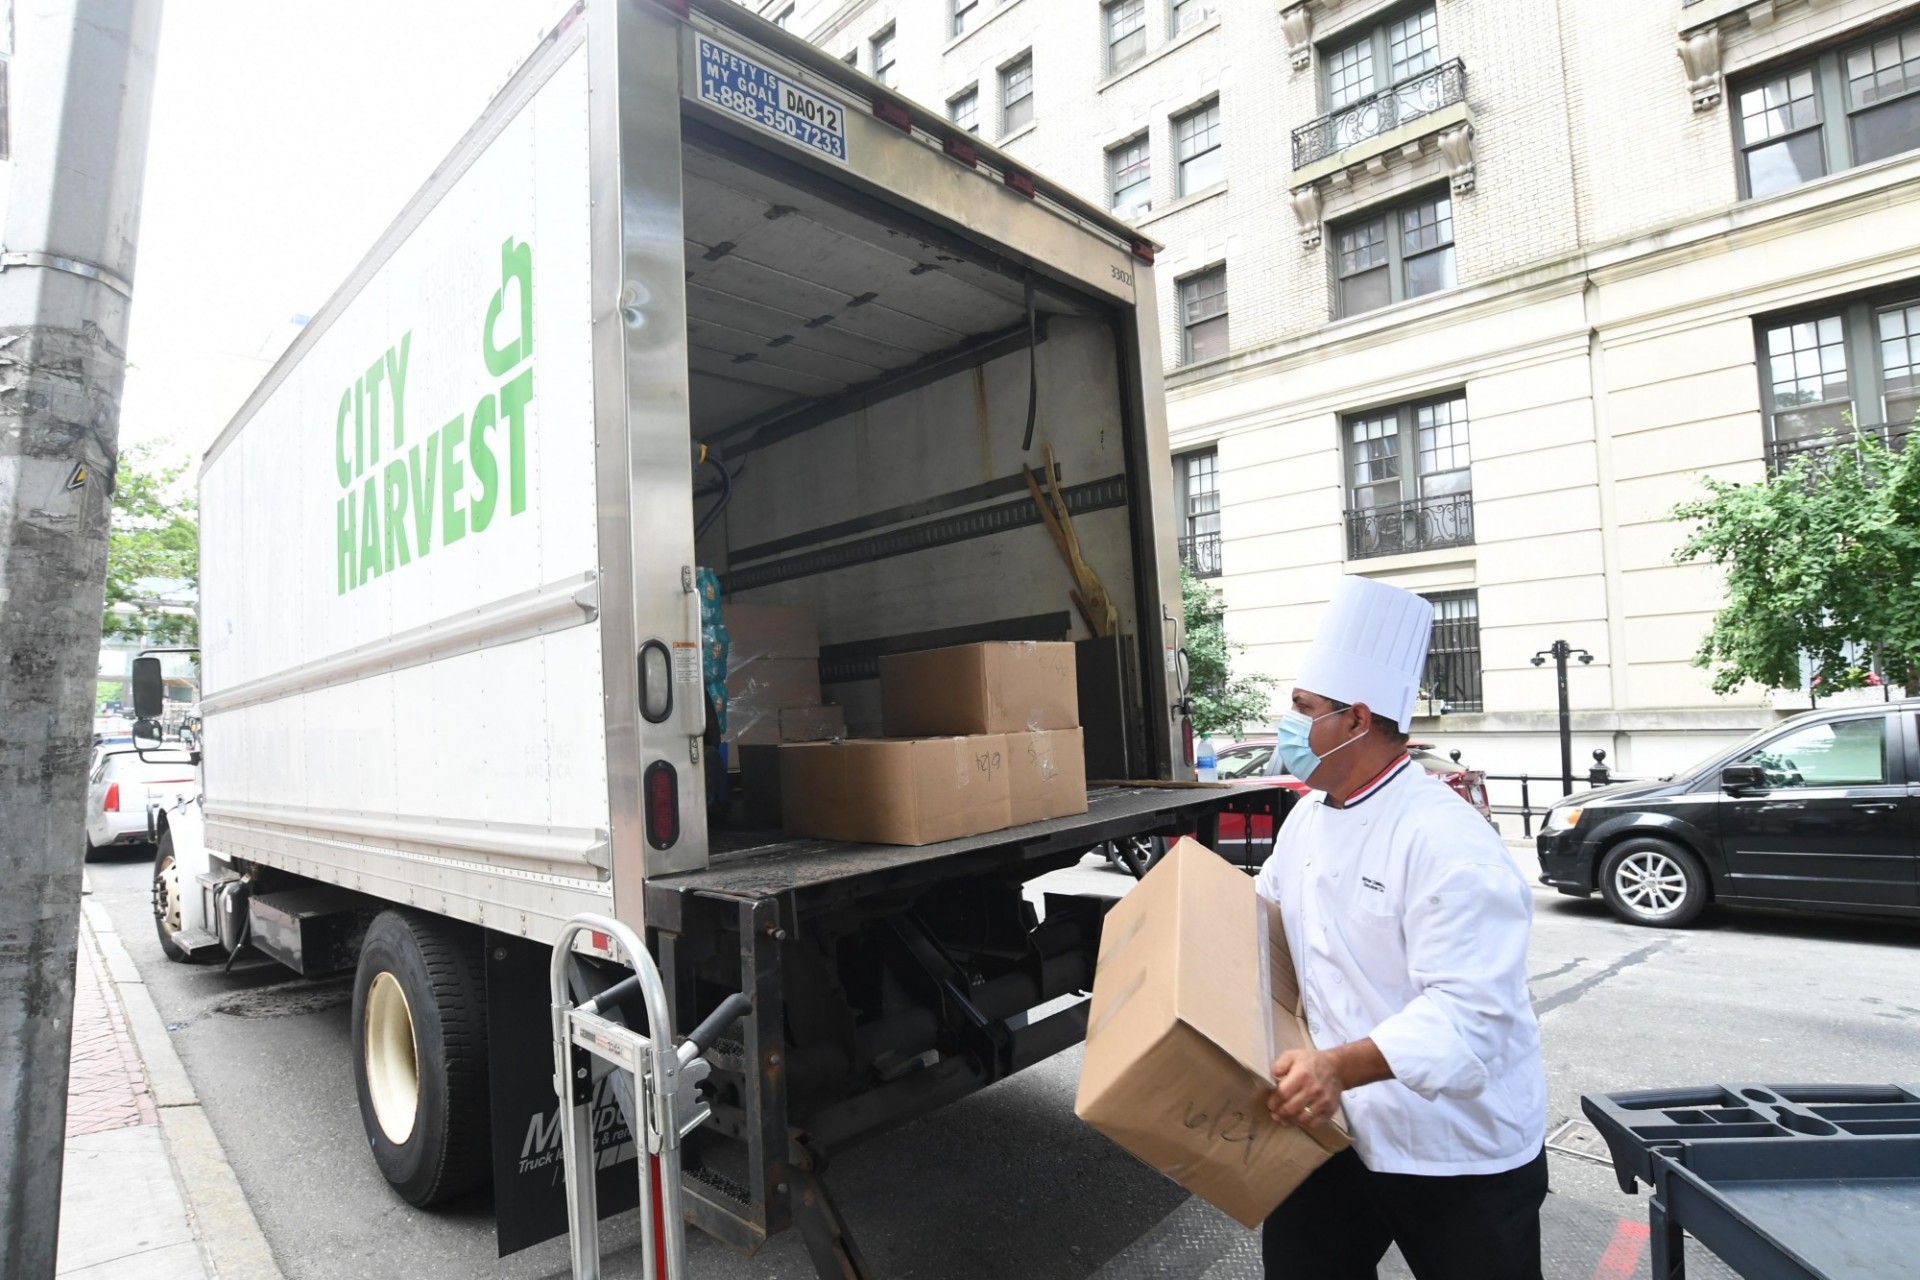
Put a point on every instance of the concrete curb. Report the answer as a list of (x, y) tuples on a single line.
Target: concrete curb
[(230, 1238)]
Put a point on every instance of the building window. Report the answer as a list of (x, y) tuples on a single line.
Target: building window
[(1203, 316), (1848, 368), (963, 14), (1130, 175), (1396, 255), (1847, 106), (964, 110), (1191, 13), (1196, 482), (1409, 478), (1126, 33), (1406, 46), (786, 16), (1196, 140), (883, 57), (1453, 654), (1016, 96)]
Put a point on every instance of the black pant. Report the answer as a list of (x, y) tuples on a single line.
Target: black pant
[(1338, 1223)]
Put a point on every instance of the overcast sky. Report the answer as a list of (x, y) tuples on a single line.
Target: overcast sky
[(285, 137)]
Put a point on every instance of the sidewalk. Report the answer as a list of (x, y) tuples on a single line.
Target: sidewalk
[(147, 1193)]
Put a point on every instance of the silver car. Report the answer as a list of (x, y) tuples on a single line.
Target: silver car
[(122, 787)]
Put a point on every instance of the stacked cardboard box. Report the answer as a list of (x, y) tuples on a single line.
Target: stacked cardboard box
[(979, 737), (773, 677)]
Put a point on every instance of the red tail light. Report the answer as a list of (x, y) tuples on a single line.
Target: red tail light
[(661, 795), (113, 799)]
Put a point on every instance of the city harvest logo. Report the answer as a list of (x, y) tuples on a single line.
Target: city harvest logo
[(393, 513)]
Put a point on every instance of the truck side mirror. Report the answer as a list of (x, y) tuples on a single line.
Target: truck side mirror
[(146, 734), (149, 697), (1736, 778)]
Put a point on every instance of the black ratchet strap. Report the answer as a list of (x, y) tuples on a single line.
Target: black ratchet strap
[(1033, 373)]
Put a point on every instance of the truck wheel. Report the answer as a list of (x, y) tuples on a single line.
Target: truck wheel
[(166, 901), (419, 1055), (1654, 883)]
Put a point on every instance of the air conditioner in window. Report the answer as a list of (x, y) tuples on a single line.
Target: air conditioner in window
[(1193, 16)]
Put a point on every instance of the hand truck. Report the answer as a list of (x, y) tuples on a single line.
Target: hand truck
[(666, 1108)]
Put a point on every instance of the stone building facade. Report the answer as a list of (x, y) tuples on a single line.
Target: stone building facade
[(1467, 294)]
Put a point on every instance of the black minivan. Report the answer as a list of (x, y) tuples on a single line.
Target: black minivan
[(1817, 811)]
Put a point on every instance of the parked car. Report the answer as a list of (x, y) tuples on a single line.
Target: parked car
[(122, 788), (1815, 812), (1246, 761)]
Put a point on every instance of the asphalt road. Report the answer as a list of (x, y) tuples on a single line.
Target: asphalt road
[(1008, 1183)]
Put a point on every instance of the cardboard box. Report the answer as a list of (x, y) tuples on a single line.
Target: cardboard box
[(1193, 999), (812, 724), (756, 631), (998, 687), (1046, 774), (895, 792), (760, 690)]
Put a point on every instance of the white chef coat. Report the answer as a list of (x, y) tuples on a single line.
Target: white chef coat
[(1408, 925)]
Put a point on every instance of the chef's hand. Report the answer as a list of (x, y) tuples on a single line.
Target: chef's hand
[(1306, 1089), (1307, 1083)]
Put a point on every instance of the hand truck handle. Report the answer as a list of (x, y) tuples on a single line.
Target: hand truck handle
[(731, 1010)]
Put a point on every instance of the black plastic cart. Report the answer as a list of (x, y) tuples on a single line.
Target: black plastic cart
[(1783, 1182)]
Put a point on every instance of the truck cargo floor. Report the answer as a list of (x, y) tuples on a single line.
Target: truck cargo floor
[(763, 863)]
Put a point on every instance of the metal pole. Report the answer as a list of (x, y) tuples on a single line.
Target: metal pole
[(1561, 651), (81, 82)]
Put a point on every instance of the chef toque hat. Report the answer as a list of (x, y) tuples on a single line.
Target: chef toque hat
[(1371, 648)]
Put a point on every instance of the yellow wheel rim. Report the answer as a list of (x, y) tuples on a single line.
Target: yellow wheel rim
[(393, 1064)]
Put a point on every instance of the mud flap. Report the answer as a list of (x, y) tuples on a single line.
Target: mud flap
[(529, 1192)]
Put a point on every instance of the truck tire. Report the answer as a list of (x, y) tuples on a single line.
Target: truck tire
[(1651, 882), (420, 1055), (166, 901)]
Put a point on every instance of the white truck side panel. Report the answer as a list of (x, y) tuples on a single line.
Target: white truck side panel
[(335, 541)]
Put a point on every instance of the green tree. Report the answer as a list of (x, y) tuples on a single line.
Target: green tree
[(1220, 700), (1822, 563), (156, 534)]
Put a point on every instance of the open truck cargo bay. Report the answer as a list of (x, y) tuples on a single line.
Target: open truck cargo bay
[(689, 272)]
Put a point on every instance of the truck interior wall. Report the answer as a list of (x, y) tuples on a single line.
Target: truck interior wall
[(919, 457)]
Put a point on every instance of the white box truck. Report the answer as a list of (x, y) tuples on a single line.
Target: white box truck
[(691, 294)]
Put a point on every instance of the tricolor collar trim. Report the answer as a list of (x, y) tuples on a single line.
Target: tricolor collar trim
[(1380, 780)]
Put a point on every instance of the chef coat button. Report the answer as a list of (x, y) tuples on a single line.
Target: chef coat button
[(1338, 976)]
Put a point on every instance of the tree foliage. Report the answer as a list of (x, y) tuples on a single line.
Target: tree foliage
[(1220, 700), (156, 535), (1822, 564)]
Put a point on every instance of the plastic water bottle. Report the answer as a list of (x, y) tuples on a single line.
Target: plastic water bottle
[(1206, 760)]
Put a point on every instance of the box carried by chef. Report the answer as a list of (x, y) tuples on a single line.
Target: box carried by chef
[(1194, 997)]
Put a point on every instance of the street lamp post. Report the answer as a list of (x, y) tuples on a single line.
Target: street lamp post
[(1560, 652)]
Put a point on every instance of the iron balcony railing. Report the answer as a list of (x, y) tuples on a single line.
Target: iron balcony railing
[(1420, 525), (1782, 453), (1201, 554), (1378, 113)]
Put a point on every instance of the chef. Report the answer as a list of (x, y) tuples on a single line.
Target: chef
[(1408, 927)]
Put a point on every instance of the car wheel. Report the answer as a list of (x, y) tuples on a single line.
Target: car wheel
[(420, 1055), (1140, 854), (1651, 882)]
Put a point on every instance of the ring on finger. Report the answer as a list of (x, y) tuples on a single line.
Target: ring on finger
[(1307, 1111)]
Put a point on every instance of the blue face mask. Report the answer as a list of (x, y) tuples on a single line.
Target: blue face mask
[(1293, 748)]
